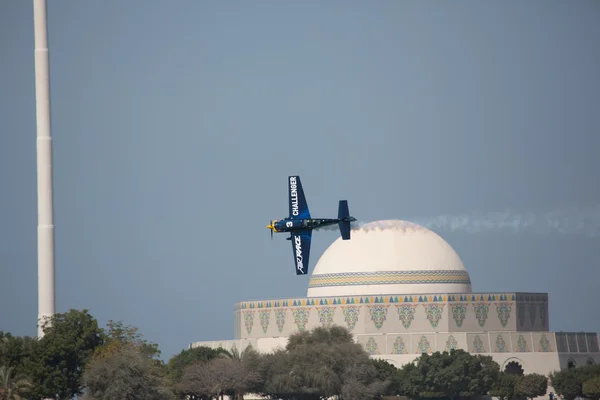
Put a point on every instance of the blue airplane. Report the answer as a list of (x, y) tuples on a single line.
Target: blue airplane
[(300, 224)]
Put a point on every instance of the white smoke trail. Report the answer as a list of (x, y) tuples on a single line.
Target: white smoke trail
[(572, 221)]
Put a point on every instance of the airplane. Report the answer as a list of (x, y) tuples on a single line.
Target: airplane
[(300, 224)]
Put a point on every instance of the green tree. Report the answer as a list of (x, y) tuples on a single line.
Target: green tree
[(450, 374), (531, 385), (213, 379), (117, 336), (125, 374), (504, 388), (411, 380), (321, 363), (69, 341), (20, 352), (176, 366), (230, 373), (387, 372), (12, 386), (569, 382), (591, 388), (246, 365)]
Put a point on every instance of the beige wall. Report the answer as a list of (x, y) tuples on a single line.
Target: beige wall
[(414, 344), (473, 342), (387, 347), (395, 313), (507, 326)]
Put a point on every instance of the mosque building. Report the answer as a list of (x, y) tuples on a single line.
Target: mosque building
[(402, 291)]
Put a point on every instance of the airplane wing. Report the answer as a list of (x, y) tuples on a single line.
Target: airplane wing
[(301, 246), (298, 206)]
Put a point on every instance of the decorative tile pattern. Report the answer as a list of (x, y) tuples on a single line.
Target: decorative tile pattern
[(280, 318), (406, 314), (371, 346), (478, 345), (500, 344), (301, 317), (522, 345), (326, 316), (423, 346), (264, 317), (441, 276), (249, 321), (532, 309), (399, 347), (451, 343), (351, 314), (459, 313), (503, 312), (481, 313), (521, 312), (392, 299), (543, 313), (544, 344), (378, 315), (434, 313)]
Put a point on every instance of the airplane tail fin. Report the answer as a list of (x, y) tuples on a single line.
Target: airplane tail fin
[(344, 224)]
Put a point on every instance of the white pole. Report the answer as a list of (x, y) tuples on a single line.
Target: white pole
[(46, 297)]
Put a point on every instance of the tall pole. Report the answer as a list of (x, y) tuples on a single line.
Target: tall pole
[(46, 297)]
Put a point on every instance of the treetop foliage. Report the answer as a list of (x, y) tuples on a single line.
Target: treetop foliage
[(125, 374), (569, 382), (591, 388), (118, 337), (531, 385), (504, 387), (77, 358), (335, 335), (177, 364), (450, 374)]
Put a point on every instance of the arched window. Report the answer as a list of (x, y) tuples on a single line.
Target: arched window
[(514, 368)]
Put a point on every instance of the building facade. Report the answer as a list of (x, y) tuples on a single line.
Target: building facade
[(403, 291)]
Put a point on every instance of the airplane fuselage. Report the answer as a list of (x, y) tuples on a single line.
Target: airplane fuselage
[(300, 225), (295, 225)]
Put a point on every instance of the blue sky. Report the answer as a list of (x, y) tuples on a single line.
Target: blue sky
[(176, 124)]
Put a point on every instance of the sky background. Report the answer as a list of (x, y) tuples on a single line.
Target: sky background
[(176, 124)]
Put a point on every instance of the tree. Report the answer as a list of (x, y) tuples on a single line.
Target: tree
[(230, 373), (125, 374), (69, 341), (531, 385), (12, 387), (20, 352), (410, 381), (387, 372), (117, 336), (591, 388), (214, 378), (178, 363), (321, 363), (246, 364), (125, 366), (449, 374), (569, 382), (504, 388), (360, 382)]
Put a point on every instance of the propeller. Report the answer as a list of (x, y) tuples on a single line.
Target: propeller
[(271, 226)]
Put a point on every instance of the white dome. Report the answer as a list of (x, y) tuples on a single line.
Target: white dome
[(389, 257)]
